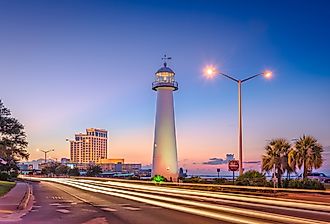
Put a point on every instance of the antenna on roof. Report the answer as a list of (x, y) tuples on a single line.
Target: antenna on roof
[(165, 59)]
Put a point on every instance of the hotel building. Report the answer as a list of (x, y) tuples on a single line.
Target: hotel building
[(88, 147)]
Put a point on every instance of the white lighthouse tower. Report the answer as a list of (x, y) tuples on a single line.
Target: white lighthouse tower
[(165, 161)]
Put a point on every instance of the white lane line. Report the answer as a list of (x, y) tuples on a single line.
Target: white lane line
[(109, 209), (55, 204), (65, 211), (132, 208)]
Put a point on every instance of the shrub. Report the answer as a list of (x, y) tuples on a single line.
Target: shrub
[(74, 172), (252, 178), (221, 181), (158, 179), (4, 176), (306, 184), (193, 179), (14, 174)]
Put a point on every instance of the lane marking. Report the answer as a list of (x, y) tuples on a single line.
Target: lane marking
[(65, 211), (109, 209), (132, 208)]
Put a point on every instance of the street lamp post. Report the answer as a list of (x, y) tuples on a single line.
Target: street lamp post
[(210, 72), (46, 151)]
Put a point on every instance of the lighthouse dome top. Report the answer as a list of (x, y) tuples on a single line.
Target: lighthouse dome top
[(165, 69), (164, 77)]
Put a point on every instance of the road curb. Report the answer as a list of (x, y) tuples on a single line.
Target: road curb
[(25, 200)]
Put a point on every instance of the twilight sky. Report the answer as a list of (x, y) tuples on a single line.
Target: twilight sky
[(69, 65)]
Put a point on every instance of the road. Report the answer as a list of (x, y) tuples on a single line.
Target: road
[(86, 201)]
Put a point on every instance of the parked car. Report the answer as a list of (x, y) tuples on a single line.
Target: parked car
[(318, 176)]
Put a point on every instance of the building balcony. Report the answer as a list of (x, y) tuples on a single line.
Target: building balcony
[(173, 85)]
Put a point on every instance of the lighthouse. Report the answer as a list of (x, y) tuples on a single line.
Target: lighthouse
[(165, 161)]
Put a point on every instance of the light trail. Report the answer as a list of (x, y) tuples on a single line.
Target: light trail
[(251, 199), (194, 211), (195, 196), (163, 201)]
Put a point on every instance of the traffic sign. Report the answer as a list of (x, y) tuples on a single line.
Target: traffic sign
[(233, 165)]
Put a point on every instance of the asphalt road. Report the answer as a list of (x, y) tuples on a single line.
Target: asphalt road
[(84, 201), (55, 203)]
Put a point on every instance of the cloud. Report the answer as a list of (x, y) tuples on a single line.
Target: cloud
[(252, 162), (215, 161)]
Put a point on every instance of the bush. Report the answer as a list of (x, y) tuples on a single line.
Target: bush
[(93, 171), (4, 176), (193, 179), (74, 172), (305, 184), (62, 170), (14, 174), (221, 181), (158, 179), (252, 178)]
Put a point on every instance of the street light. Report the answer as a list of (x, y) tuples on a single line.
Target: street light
[(46, 151), (210, 72)]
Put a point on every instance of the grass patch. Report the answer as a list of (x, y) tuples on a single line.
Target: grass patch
[(5, 186)]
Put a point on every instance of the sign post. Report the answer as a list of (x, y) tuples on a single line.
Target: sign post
[(218, 170), (233, 165)]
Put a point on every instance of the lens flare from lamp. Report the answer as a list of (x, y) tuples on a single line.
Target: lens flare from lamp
[(268, 74), (209, 71)]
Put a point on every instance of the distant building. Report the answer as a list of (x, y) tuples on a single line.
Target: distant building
[(118, 165), (65, 160), (104, 161), (89, 147)]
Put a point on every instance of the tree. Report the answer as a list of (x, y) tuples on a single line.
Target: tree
[(93, 170), (13, 140), (49, 169), (307, 154), (74, 172), (276, 157), (62, 170)]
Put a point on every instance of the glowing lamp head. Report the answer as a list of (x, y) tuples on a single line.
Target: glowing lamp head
[(210, 71), (268, 74)]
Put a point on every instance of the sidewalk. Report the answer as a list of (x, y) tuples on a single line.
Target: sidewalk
[(15, 200)]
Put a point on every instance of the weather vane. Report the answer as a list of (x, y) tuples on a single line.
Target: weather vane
[(165, 58)]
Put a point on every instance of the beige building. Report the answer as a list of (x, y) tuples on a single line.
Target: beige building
[(91, 146)]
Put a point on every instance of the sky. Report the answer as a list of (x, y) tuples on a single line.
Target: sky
[(69, 65)]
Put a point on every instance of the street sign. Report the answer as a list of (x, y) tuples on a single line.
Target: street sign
[(233, 165)]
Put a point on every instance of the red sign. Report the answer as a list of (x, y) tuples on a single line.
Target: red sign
[(233, 165)]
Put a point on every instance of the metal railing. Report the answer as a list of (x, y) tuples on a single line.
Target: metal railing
[(157, 84)]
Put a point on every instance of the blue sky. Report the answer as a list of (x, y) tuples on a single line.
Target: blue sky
[(69, 65)]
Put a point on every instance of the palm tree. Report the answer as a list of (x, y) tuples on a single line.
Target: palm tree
[(307, 154), (276, 157)]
